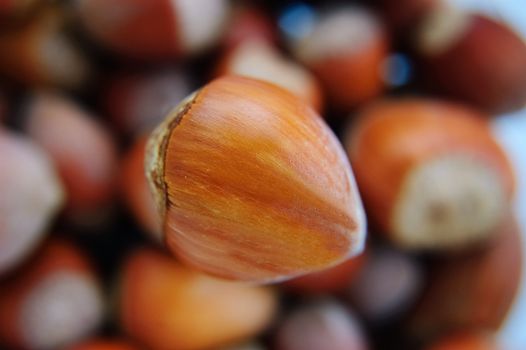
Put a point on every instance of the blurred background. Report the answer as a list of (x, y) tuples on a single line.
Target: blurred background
[(83, 83), (511, 132)]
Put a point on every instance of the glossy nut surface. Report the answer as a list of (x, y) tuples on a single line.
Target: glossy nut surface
[(252, 184)]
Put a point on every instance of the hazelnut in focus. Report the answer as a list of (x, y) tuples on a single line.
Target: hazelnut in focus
[(253, 185)]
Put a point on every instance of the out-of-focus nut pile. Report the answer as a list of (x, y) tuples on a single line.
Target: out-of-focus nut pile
[(114, 240)]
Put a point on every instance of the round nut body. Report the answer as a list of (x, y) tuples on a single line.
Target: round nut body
[(253, 185)]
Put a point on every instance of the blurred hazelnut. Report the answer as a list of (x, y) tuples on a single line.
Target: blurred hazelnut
[(31, 195), (387, 285), (82, 150), (40, 53), (346, 50), (260, 60), (154, 29), (54, 301), (431, 173), (165, 305), (247, 24), (473, 58), (321, 325), (474, 290)]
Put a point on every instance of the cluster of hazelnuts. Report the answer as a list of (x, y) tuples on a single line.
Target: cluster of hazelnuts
[(331, 183)]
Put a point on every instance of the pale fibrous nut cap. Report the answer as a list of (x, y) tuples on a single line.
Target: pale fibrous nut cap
[(155, 150)]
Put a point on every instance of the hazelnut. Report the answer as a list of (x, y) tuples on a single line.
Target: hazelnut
[(154, 29), (251, 184), (165, 305), (260, 60), (82, 150), (474, 290), (31, 196), (53, 302), (40, 53), (473, 58), (3, 106), (387, 285), (247, 24), (346, 51), (324, 324), (431, 173)]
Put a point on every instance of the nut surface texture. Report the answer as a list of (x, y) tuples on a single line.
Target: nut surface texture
[(252, 185)]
